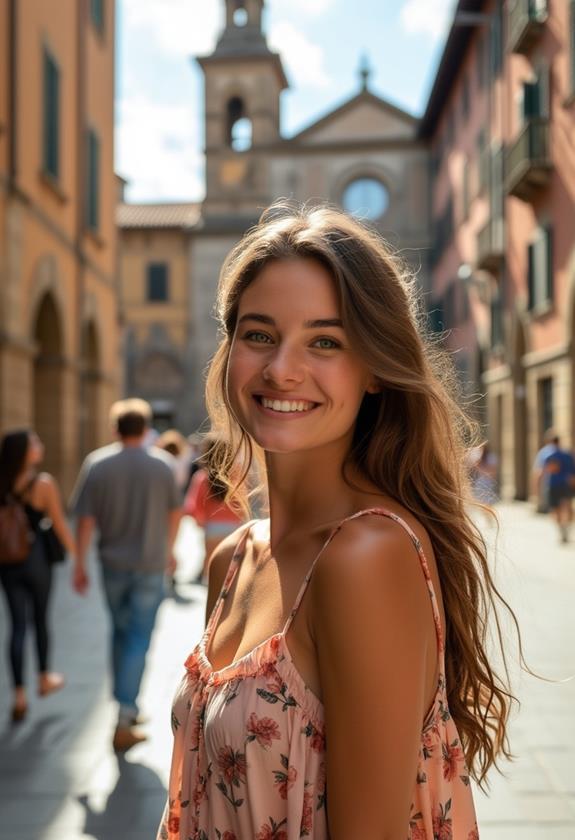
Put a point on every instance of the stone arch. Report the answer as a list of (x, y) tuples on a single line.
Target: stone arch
[(46, 281), (238, 125), (48, 379)]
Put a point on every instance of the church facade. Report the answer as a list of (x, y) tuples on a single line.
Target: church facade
[(364, 156)]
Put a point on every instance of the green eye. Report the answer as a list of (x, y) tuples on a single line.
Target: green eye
[(257, 337), (326, 344)]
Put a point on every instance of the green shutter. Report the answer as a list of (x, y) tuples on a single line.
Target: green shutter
[(93, 181), (51, 151), (549, 254), (531, 276)]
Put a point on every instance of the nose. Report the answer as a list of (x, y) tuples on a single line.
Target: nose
[(285, 368)]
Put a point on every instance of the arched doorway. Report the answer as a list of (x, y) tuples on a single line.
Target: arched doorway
[(520, 413), (90, 388), (48, 382)]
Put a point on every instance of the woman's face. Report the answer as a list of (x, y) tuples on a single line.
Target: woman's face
[(35, 453), (294, 382)]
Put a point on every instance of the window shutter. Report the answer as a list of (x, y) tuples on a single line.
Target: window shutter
[(93, 181), (531, 276), (543, 89), (549, 263), (51, 116), (530, 100)]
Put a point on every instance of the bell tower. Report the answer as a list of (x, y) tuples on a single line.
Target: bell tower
[(243, 80)]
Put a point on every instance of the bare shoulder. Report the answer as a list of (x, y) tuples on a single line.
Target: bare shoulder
[(373, 554), (45, 486)]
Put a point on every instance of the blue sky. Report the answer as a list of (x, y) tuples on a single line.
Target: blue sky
[(159, 87)]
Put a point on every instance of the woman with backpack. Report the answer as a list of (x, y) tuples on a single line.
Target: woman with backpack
[(28, 499)]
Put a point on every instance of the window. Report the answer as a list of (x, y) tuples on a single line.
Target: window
[(157, 290), (239, 126), (465, 98), (540, 269), (443, 230), (93, 181), (534, 97), (97, 13), (51, 127), (365, 197), (545, 388)]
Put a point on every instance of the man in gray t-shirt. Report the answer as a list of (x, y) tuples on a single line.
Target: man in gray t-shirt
[(129, 494)]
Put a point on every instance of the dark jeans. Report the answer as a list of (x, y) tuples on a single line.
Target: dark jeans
[(133, 600), (27, 587)]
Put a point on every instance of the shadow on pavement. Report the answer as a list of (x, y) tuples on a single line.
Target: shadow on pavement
[(133, 808)]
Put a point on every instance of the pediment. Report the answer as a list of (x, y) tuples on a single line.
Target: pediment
[(365, 117)]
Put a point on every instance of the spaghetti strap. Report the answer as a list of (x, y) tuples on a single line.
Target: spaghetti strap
[(235, 563), (422, 559)]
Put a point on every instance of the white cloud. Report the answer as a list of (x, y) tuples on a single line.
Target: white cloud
[(304, 60), (158, 151), (312, 8), (177, 25), (429, 17)]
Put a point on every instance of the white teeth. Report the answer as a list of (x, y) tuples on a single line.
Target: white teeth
[(286, 406)]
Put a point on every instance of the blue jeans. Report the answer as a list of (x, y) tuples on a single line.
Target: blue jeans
[(133, 600)]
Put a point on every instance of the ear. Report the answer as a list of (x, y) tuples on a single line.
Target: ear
[(373, 386)]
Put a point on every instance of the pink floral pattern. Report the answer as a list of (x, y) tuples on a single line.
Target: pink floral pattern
[(254, 731)]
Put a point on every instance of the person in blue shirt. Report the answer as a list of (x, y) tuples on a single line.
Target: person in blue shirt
[(559, 470)]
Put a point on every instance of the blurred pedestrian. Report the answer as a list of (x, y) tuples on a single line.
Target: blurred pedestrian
[(176, 444), (206, 502), (29, 499), (559, 471), (484, 480), (129, 493), (539, 479)]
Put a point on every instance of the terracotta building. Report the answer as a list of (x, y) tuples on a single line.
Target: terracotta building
[(500, 123), (364, 155), (59, 326)]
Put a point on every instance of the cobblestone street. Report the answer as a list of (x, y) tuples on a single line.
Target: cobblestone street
[(60, 780)]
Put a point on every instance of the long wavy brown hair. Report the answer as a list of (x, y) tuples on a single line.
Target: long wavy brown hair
[(411, 439)]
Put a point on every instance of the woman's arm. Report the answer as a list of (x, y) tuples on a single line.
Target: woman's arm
[(52, 504), (375, 634)]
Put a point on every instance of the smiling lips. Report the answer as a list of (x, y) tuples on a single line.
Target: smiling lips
[(285, 406)]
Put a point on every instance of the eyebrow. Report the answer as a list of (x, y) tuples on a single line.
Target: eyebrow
[(318, 323)]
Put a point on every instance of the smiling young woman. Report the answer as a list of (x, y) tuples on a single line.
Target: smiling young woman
[(341, 688)]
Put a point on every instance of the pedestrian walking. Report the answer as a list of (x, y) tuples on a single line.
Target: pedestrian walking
[(128, 492), (343, 678), (30, 510), (484, 475), (176, 444), (559, 471), (206, 502), (539, 479)]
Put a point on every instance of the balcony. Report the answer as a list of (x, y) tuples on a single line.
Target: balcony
[(528, 161), (491, 245), (526, 21)]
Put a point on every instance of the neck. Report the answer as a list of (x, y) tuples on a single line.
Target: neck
[(132, 441), (308, 489)]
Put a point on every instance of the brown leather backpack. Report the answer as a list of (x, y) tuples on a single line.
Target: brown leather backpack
[(16, 536)]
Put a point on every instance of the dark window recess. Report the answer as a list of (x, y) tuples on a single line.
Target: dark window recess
[(496, 306), (496, 42), (546, 402), (465, 98), (97, 13), (540, 269), (93, 181), (157, 291), (51, 150), (443, 232), (536, 95)]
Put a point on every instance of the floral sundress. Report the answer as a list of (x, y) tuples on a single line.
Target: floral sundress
[(249, 744)]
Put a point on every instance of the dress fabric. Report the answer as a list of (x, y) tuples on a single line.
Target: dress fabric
[(249, 744)]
